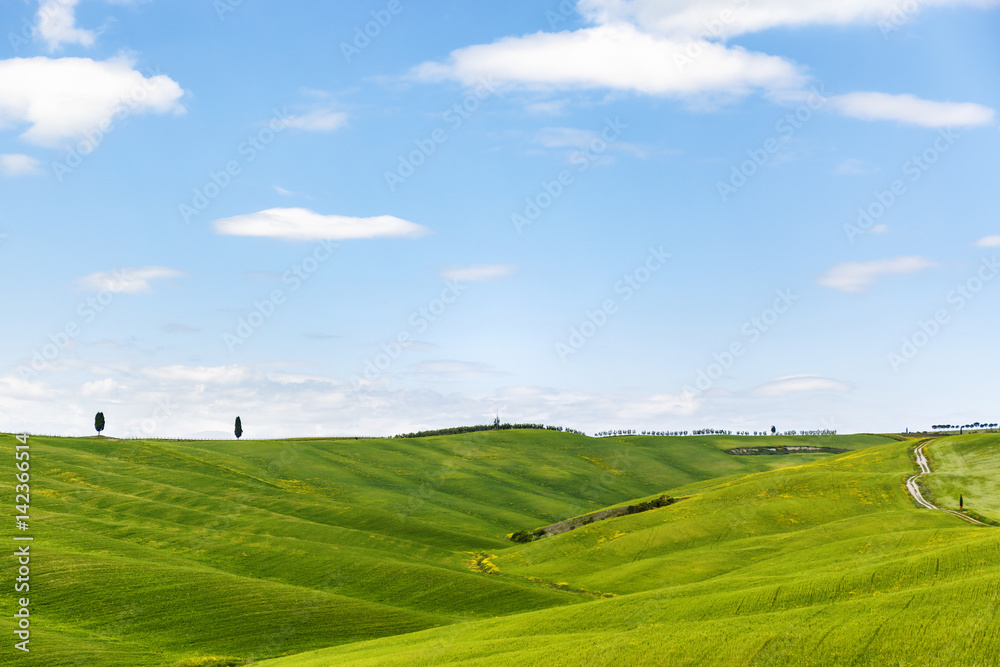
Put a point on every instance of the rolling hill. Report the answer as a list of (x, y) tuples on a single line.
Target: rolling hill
[(380, 552)]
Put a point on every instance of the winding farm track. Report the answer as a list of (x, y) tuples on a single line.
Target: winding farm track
[(925, 469)]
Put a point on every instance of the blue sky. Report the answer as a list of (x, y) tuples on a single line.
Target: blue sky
[(602, 214)]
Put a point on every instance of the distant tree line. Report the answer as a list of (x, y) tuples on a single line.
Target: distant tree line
[(951, 427), (495, 426), (709, 431)]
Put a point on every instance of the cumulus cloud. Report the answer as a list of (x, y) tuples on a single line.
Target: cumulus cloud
[(64, 98), (859, 276), (477, 273), (911, 110), (299, 224), (618, 57), (679, 48), (798, 384), (19, 165), (57, 24), (989, 242), (127, 281)]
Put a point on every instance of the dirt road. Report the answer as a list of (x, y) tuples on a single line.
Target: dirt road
[(925, 469)]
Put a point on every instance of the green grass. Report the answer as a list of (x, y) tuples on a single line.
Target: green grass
[(212, 553), (967, 466), (826, 563)]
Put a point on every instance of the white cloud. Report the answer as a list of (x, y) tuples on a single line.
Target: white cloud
[(716, 19), (798, 384), (63, 99), (19, 165), (57, 24), (564, 137), (679, 48), (200, 374), (859, 276), (299, 224), (911, 110), (478, 273), (617, 57), (989, 242), (548, 108), (855, 167), (445, 369), (322, 120), (184, 401), (127, 281), (103, 387)]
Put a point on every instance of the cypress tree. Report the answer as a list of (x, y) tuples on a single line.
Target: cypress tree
[(239, 428), (99, 422)]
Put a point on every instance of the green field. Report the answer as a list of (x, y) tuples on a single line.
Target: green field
[(967, 466), (375, 552)]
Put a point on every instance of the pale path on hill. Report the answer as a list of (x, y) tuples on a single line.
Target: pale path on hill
[(925, 469)]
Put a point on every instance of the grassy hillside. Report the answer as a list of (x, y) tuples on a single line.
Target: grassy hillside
[(826, 563), (966, 465), (167, 553)]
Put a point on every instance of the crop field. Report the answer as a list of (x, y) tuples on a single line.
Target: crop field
[(300, 553), (966, 466)]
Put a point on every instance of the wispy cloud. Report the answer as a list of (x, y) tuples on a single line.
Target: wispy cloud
[(447, 369), (19, 165), (799, 384), (855, 167), (989, 242), (201, 374), (127, 281), (859, 276), (300, 224), (478, 273), (911, 110), (321, 120), (690, 17)]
